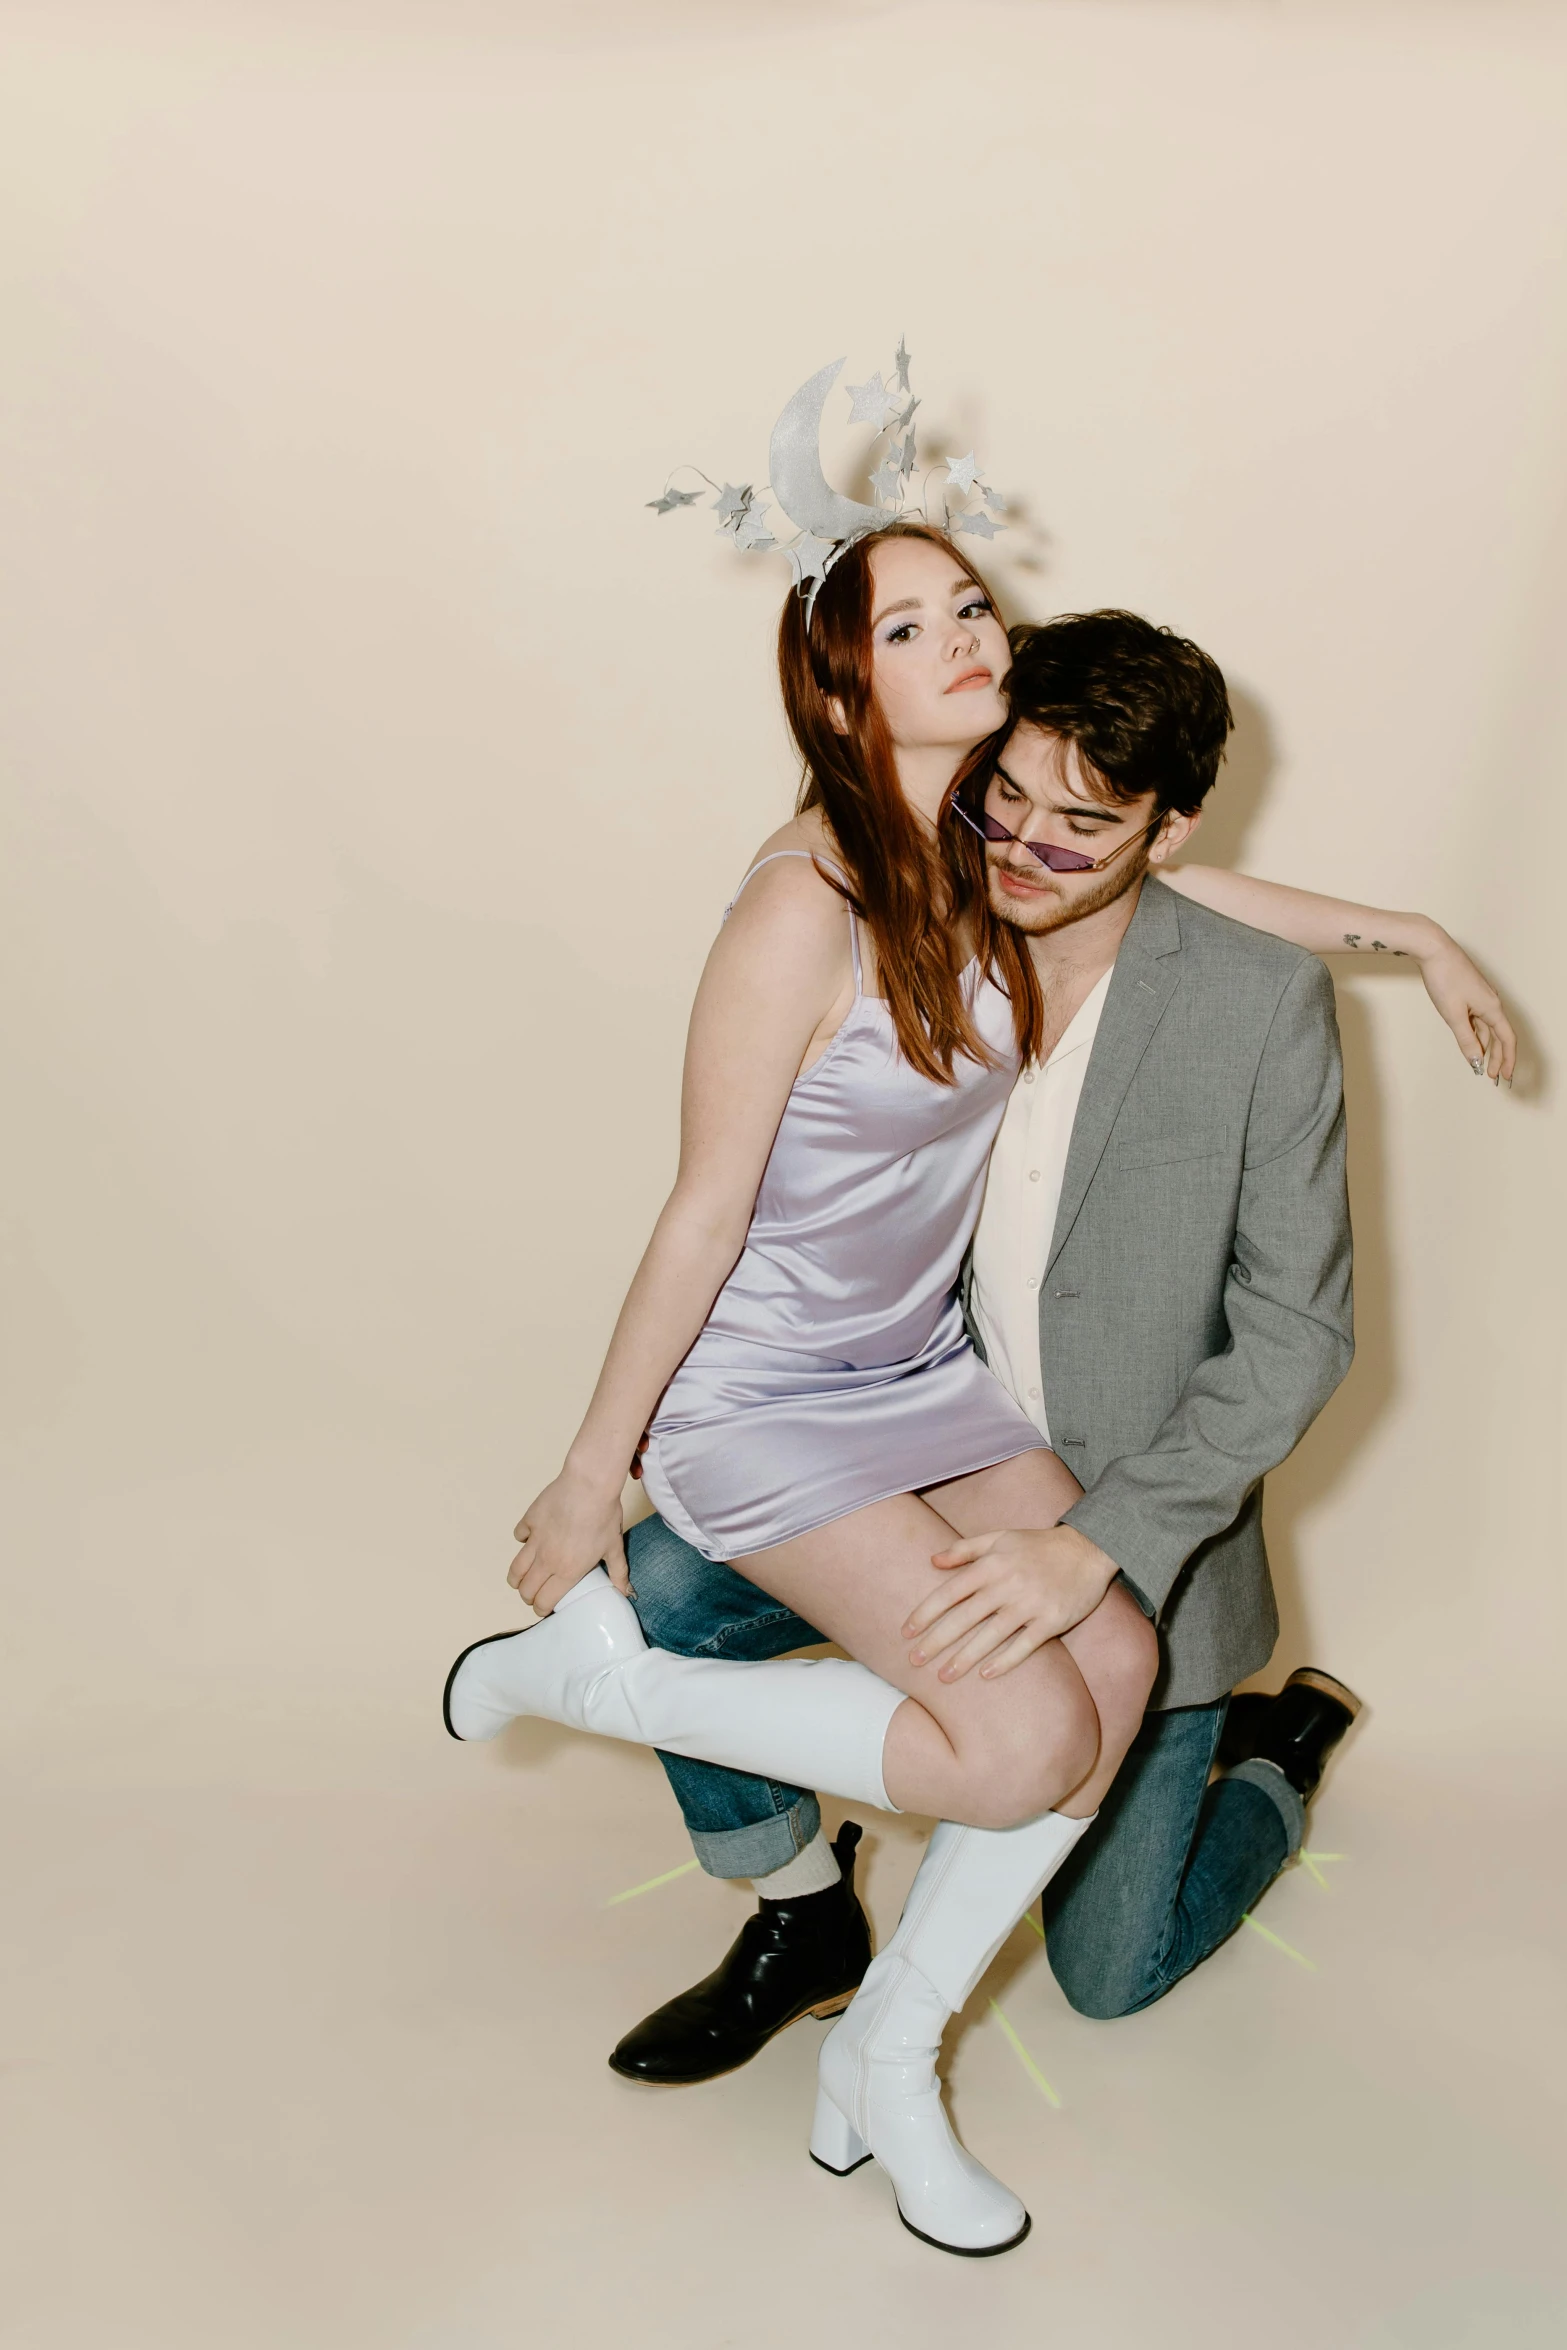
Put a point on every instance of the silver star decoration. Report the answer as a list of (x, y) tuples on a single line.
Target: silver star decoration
[(870, 402), (902, 364), (810, 557), (907, 418), (887, 480), (978, 526), (731, 503), (906, 461), (961, 472), (751, 532), (673, 498)]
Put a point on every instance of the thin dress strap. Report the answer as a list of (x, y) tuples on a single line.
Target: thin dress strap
[(854, 928)]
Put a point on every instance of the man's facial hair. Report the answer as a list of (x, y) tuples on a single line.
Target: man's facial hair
[(1055, 912)]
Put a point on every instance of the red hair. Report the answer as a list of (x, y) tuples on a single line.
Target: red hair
[(915, 894)]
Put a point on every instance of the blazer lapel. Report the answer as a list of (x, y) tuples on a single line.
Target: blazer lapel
[(1147, 973)]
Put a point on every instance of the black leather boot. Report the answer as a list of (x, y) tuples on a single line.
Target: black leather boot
[(793, 1958), (1297, 1730)]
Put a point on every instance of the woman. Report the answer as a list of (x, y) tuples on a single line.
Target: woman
[(845, 1077)]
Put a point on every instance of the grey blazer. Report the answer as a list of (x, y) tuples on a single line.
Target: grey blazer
[(1195, 1311)]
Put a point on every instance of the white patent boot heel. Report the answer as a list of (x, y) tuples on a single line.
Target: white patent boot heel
[(835, 2142), (877, 2087), (878, 2091)]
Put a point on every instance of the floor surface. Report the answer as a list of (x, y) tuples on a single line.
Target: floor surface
[(305, 2039)]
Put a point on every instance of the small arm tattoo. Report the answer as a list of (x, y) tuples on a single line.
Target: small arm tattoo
[(1379, 946)]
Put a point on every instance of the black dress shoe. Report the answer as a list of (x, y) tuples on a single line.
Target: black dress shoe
[(794, 1958), (1245, 1718), (1297, 1730)]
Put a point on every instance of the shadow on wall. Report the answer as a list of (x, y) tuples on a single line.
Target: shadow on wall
[(1296, 1489), (1245, 781)]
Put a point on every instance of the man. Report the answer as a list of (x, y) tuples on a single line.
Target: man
[(1161, 1277)]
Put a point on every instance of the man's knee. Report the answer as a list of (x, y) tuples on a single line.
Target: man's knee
[(1105, 1998), (667, 1582), (699, 1607), (1099, 1983)]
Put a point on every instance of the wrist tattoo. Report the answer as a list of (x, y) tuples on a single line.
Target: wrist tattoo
[(1379, 946)]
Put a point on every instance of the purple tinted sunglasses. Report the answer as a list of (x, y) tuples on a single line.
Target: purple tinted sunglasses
[(1054, 859)]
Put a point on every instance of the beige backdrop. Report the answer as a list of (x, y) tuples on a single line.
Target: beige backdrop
[(375, 770), (377, 765)]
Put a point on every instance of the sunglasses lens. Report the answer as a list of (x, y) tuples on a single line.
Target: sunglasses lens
[(984, 823), (1057, 860), (1061, 860)]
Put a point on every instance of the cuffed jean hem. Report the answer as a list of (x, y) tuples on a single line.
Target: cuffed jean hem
[(765, 1845), (1279, 1792)]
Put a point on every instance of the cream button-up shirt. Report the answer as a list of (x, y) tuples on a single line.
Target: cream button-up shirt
[(1018, 1219)]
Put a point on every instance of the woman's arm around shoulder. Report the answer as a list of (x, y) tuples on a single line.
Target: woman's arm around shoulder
[(1462, 994), (774, 974)]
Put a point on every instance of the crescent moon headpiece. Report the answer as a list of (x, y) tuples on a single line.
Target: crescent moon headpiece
[(825, 521)]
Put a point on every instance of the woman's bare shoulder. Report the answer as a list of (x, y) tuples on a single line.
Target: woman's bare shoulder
[(785, 866), (805, 835), (785, 896)]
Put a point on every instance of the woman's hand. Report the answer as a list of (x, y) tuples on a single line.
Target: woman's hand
[(1004, 1595), (572, 1527), (1471, 1007)]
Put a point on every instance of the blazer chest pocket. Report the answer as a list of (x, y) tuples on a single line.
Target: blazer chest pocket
[(1165, 1150)]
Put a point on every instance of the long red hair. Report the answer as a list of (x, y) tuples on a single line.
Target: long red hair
[(916, 895)]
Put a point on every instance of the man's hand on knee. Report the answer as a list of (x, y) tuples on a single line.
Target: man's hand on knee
[(1004, 1595)]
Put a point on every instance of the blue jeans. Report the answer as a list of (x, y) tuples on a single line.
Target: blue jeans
[(1170, 1869)]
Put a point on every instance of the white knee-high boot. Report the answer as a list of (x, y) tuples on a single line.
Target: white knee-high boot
[(816, 1723), (877, 2091)]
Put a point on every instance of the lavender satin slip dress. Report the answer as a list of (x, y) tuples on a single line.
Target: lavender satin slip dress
[(833, 1370)]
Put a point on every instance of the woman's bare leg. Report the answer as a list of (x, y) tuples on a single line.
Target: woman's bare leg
[(987, 1753), (1115, 1649)]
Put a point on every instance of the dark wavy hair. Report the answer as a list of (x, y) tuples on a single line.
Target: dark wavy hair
[(1146, 708), (915, 898)]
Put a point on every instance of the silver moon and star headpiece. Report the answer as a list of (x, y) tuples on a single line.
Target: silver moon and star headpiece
[(825, 521)]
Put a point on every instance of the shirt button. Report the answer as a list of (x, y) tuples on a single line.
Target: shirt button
[(1033, 1174), (1033, 1395), (1028, 1077), (1033, 1281)]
